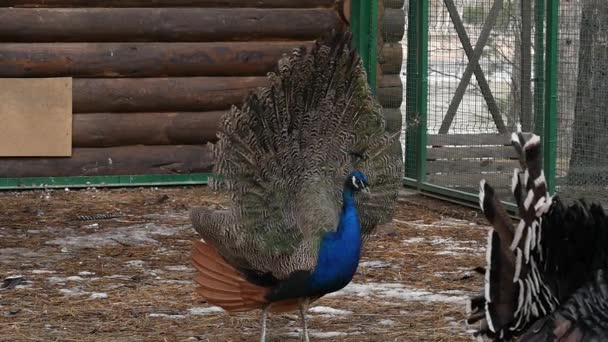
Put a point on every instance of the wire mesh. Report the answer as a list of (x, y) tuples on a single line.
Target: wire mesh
[(480, 79), (582, 161)]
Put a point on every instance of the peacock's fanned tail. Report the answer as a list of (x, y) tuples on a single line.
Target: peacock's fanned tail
[(283, 156)]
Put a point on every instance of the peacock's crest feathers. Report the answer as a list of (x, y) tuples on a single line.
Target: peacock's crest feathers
[(284, 155)]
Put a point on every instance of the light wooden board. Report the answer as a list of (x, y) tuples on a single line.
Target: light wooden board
[(36, 117)]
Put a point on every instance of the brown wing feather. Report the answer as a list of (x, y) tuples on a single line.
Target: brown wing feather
[(222, 285)]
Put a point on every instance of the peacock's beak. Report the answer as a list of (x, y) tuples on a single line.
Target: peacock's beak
[(366, 190)]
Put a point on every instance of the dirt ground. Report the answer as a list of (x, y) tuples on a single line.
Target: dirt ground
[(128, 278)]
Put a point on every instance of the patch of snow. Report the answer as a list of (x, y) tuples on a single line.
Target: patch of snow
[(75, 291), (161, 315), (205, 311), (413, 240), (64, 279), (397, 291), (179, 268), (375, 264), (135, 263), (85, 273), (327, 311), (98, 295), (140, 234), (387, 322), (448, 253), (174, 281), (42, 271), (321, 334)]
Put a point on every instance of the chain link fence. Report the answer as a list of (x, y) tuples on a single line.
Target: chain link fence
[(582, 158)]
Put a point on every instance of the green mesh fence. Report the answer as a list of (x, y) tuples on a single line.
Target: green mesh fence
[(582, 158), (481, 86), (475, 70)]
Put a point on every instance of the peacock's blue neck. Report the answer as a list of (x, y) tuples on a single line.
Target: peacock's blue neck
[(339, 251)]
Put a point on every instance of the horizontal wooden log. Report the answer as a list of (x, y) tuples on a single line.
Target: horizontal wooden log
[(123, 129), (393, 25), (125, 160), (393, 119), (390, 92), (471, 166), (391, 58), (470, 179), (170, 3), (163, 24), (470, 139), (500, 152), (187, 94), (394, 4), (141, 59)]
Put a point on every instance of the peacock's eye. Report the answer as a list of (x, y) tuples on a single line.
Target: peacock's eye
[(354, 180)]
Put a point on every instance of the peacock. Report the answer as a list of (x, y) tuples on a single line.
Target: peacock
[(547, 278), (311, 171)]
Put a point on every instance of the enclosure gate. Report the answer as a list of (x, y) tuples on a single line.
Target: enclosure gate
[(475, 69)]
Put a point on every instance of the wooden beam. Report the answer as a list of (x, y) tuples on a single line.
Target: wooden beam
[(472, 166), (125, 160), (398, 4), (170, 3), (503, 139), (501, 152), (188, 94), (123, 129), (391, 58), (479, 75), (393, 25), (141, 59), (474, 55), (390, 92), (163, 24), (470, 180), (393, 119)]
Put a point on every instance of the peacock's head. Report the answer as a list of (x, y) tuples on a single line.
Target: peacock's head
[(357, 181)]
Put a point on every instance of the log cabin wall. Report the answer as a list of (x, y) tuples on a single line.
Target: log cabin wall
[(390, 60), (151, 77)]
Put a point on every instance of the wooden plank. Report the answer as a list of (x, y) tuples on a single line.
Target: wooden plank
[(393, 25), (170, 3), (470, 166), (390, 92), (470, 179), (394, 4), (393, 119), (499, 152), (124, 160), (123, 129), (141, 59), (391, 58), (36, 117), (187, 94), (503, 139), (163, 24)]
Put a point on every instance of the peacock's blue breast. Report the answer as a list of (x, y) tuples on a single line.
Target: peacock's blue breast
[(339, 255)]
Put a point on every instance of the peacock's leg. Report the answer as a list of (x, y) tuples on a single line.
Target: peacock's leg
[(303, 308), (264, 317)]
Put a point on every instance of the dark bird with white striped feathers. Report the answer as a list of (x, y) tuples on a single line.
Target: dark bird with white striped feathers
[(296, 159), (547, 278)]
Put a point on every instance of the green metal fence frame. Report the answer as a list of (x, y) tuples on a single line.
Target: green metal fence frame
[(364, 25), (417, 94)]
